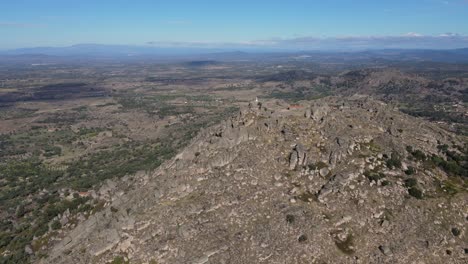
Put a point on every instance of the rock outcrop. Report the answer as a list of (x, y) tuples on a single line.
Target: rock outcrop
[(298, 157), (270, 186)]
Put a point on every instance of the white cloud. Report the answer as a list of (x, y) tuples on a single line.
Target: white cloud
[(449, 34), (410, 40), (413, 34), (19, 25)]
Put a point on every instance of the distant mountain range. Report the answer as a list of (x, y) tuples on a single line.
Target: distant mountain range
[(103, 50), (83, 52)]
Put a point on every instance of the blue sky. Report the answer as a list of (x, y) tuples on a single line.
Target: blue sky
[(30, 23)]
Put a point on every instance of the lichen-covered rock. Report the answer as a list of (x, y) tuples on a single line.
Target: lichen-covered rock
[(319, 111), (293, 160), (298, 157)]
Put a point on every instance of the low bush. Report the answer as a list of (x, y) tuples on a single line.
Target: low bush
[(411, 182), (415, 192), (410, 171), (394, 161)]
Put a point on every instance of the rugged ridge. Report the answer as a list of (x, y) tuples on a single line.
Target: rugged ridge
[(321, 182)]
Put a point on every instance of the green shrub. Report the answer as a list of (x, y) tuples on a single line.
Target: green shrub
[(455, 165), (452, 167), (302, 239), (56, 225), (411, 182), (415, 192), (290, 218), (119, 260), (374, 176), (410, 171), (443, 148), (394, 161), (436, 160), (419, 155), (416, 154), (456, 232), (50, 151)]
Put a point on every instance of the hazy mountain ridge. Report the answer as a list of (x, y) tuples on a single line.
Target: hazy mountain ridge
[(125, 51)]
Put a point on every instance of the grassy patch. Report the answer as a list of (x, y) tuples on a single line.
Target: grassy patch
[(451, 186), (372, 146), (119, 260)]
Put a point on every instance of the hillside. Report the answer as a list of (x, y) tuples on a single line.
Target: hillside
[(328, 181), (441, 100)]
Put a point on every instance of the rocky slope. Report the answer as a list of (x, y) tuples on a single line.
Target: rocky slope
[(329, 181)]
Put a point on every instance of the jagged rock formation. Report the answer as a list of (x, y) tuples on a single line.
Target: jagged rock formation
[(298, 157), (310, 185)]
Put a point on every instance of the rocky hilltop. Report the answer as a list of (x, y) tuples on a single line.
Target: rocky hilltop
[(328, 181)]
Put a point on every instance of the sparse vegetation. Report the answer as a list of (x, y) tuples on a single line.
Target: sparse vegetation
[(374, 176), (82, 145), (301, 93), (290, 218), (117, 121), (410, 171), (394, 161), (415, 192), (119, 260), (417, 154), (455, 164), (302, 239), (455, 231), (56, 225), (411, 182)]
